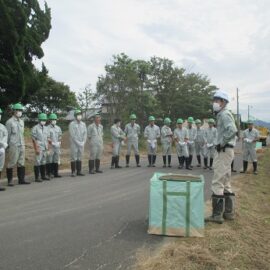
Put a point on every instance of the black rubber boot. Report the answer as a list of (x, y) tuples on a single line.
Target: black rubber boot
[(137, 158), (164, 161), (9, 172), (79, 168), (211, 164), (217, 209), (181, 162), (169, 161), (190, 161), (117, 166), (229, 206), (245, 166), (91, 165), (97, 164), (199, 160), (127, 160), (232, 167), (149, 161), (205, 161), (73, 168), (187, 163), (42, 169), (48, 170), (113, 162), (36, 172), (55, 167), (255, 165), (154, 160), (1, 188), (21, 176)]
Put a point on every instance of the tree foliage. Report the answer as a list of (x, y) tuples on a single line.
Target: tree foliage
[(24, 26), (155, 87)]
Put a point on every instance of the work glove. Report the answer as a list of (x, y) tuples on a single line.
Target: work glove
[(2, 151)]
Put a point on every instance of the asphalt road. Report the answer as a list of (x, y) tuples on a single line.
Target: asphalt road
[(91, 222)]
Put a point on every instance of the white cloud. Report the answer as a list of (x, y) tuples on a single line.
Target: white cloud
[(227, 40)]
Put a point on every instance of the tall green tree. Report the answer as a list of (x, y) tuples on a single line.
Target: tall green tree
[(24, 26)]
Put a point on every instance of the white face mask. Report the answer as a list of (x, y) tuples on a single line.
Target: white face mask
[(54, 122), (216, 107), (43, 123), (79, 117), (19, 114)]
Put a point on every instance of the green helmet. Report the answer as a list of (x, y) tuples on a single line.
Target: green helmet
[(42, 117), (1, 111), (180, 121), (190, 120), (17, 107), (151, 118), (167, 121), (211, 121), (133, 117), (52, 116), (77, 111), (198, 121)]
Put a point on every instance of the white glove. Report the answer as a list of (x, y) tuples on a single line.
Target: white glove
[(209, 145), (190, 142), (81, 144), (248, 140), (153, 144), (123, 143), (149, 141), (182, 143), (2, 151)]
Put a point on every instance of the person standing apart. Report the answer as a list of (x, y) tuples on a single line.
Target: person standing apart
[(40, 138), (181, 139), (250, 136), (16, 146), (211, 141), (118, 138), (78, 135), (166, 142), (55, 137), (152, 133), (132, 131), (95, 136), (199, 141), (192, 133), (3, 146), (223, 196)]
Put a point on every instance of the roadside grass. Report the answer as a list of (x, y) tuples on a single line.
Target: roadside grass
[(240, 244)]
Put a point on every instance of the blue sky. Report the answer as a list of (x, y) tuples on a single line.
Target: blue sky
[(227, 40)]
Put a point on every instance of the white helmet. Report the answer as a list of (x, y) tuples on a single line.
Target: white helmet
[(222, 95)]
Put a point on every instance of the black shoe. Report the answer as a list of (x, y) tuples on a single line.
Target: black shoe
[(137, 158), (2, 189), (255, 164), (127, 160), (245, 166), (117, 163), (229, 206), (169, 161), (205, 163), (56, 170), (187, 160), (21, 176), (154, 160), (73, 168), (113, 162), (199, 161), (42, 169), (149, 161), (218, 202)]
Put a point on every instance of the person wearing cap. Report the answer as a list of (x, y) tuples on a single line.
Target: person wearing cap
[(166, 142), (95, 136), (192, 133), (250, 136), (210, 147), (151, 133), (55, 136), (132, 131), (16, 145), (3, 146), (181, 138), (199, 141), (118, 138), (78, 135), (223, 196), (40, 138)]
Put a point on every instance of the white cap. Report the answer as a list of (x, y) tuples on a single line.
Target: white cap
[(222, 94)]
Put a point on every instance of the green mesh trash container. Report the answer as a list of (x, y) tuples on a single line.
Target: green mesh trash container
[(176, 205)]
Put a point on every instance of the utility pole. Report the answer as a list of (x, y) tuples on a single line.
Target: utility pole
[(238, 113)]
